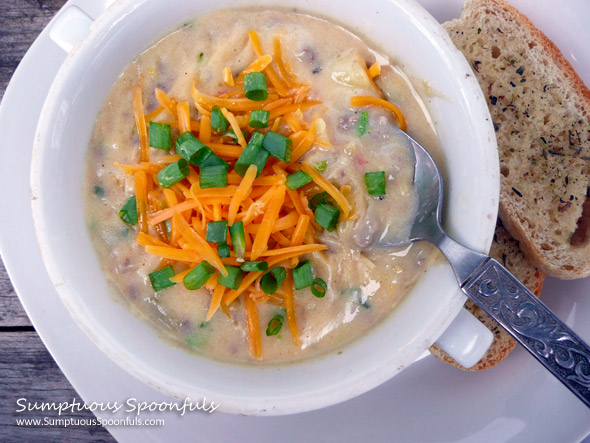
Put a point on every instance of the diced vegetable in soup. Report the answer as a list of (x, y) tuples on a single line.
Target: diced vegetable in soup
[(240, 174)]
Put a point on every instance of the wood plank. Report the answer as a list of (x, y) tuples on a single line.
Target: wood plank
[(28, 371), (12, 313), (21, 21)]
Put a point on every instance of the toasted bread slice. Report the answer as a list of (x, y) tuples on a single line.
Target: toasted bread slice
[(504, 249), (541, 112)]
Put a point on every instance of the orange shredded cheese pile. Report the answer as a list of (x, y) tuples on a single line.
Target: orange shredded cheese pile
[(279, 226), (373, 101)]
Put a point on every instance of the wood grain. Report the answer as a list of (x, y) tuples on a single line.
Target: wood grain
[(21, 21), (12, 314), (27, 369), (29, 372)]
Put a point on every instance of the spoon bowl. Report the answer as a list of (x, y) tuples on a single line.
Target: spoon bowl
[(429, 187)]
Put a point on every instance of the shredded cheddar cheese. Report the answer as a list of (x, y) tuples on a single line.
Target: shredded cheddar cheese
[(279, 226), (140, 123), (258, 65), (328, 187), (166, 102), (373, 101), (374, 70), (184, 118), (235, 126), (228, 78)]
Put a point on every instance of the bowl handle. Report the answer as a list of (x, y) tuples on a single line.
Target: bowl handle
[(70, 26), (466, 340)]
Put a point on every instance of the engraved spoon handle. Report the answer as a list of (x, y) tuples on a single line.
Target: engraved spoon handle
[(525, 317)]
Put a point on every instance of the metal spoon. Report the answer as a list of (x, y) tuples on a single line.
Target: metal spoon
[(495, 290)]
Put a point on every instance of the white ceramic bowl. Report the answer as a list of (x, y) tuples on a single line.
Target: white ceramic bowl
[(421, 47)]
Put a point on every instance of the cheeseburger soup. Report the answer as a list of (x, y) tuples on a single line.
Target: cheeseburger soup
[(246, 155)]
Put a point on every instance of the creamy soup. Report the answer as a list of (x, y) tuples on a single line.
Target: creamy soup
[(364, 282)]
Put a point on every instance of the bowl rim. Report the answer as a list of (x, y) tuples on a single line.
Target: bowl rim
[(147, 375)]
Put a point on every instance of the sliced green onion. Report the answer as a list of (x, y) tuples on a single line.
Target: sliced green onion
[(321, 166), (197, 340), (160, 136), (274, 325), (259, 118), (321, 291), (217, 231), (255, 86), (327, 216), (173, 173), (210, 158), (218, 121), (302, 275), (196, 152), (128, 212), (238, 238), (161, 278), (231, 134), (298, 179), (271, 281), (317, 199), (278, 146), (98, 191), (253, 154), (375, 182), (260, 160), (254, 266), (362, 124), (223, 250), (233, 279), (213, 177), (189, 147), (257, 139), (168, 227), (198, 276)]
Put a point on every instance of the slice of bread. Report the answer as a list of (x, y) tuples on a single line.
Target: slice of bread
[(504, 249), (541, 112)]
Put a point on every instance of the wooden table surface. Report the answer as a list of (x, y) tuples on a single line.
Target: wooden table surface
[(26, 368)]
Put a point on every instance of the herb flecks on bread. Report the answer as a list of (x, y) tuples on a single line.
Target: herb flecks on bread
[(541, 113), (506, 250)]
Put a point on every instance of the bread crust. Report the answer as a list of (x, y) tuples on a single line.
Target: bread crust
[(534, 226)]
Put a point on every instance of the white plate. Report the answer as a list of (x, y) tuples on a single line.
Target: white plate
[(517, 401)]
